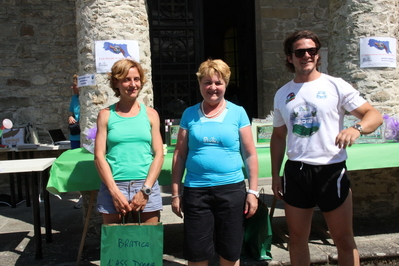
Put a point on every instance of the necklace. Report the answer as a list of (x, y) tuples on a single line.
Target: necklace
[(215, 114)]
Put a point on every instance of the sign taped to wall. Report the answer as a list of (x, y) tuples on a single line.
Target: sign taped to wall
[(110, 51), (377, 52)]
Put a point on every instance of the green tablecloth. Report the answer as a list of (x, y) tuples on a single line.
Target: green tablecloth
[(74, 170), (360, 157)]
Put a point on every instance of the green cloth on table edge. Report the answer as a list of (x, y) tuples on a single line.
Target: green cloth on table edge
[(360, 157), (372, 156), (62, 169), (80, 163)]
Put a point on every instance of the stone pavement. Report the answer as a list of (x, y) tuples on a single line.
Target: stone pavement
[(375, 239)]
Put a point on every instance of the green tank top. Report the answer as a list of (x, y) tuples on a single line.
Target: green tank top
[(129, 150)]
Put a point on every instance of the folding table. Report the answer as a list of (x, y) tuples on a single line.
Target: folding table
[(36, 167)]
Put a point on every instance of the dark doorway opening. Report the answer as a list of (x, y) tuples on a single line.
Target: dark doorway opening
[(229, 34), (183, 34)]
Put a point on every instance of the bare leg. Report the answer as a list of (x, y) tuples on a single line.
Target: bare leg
[(224, 262), (200, 263), (147, 217), (112, 218), (299, 223), (339, 222)]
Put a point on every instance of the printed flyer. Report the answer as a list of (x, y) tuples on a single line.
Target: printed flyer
[(377, 52), (110, 51)]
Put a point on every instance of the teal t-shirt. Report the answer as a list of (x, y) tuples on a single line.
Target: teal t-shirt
[(129, 150), (74, 107), (214, 156)]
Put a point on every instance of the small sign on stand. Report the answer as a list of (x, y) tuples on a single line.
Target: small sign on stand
[(262, 131), (172, 127)]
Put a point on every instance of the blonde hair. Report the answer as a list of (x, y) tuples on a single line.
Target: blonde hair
[(119, 71), (210, 67), (75, 79)]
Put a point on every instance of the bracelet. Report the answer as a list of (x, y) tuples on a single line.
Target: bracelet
[(254, 192), (175, 196)]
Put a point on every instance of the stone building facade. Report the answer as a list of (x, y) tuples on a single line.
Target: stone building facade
[(38, 59), (45, 42)]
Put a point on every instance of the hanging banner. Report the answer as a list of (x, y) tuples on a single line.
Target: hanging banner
[(377, 52), (110, 51)]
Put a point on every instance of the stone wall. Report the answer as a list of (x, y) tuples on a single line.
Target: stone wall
[(275, 21), (38, 59), (375, 192), (351, 20), (45, 42)]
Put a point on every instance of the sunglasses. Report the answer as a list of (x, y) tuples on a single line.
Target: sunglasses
[(301, 52)]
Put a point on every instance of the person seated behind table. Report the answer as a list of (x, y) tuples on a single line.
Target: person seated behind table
[(128, 161), (74, 108)]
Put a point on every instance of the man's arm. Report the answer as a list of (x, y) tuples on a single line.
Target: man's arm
[(370, 120), (277, 151)]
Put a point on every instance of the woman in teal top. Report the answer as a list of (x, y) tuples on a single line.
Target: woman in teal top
[(214, 141), (128, 150)]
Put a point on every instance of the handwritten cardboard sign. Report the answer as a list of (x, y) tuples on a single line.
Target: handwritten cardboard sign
[(132, 244)]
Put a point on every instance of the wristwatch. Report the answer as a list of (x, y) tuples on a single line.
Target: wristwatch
[(146, 190), (256, 193), (358, 127)]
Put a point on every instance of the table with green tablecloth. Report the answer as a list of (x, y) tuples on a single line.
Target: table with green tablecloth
[(74, 170)]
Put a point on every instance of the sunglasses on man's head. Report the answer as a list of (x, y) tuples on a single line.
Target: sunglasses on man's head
[(299, 53)]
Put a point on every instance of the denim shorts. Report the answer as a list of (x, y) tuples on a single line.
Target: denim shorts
[(129, 189)]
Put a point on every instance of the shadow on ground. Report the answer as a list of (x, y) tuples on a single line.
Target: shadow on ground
[(16, 247)]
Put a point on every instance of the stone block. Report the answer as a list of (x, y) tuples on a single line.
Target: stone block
[(280, 13), (381, 96), (6, 73), (375, 192), (26, 30)]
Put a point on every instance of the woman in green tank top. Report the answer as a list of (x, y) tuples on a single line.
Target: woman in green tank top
[(128, 150)]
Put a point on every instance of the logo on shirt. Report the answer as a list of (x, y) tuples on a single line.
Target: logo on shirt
[(304, 120), (210, 140), (321, 95), (290, 97)]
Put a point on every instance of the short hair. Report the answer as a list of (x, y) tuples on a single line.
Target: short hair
[(120, 69), (210, 67), (290, 40), (75, 79)]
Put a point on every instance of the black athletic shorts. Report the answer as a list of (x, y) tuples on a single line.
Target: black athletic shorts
[(213, 221), (305, 185)]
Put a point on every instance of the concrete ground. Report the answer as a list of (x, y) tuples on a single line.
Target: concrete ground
[(378, 241)]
